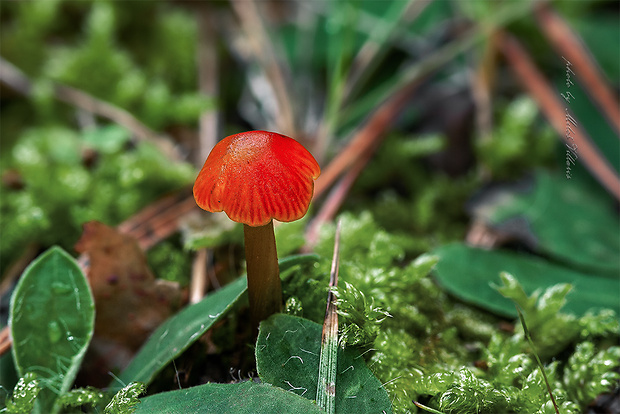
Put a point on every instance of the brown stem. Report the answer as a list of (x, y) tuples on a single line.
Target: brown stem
[(264, 288)]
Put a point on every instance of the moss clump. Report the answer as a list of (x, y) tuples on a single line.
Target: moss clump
[(451, 357)]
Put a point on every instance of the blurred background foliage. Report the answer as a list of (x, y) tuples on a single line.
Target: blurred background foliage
[(142, 57), (318, 71)]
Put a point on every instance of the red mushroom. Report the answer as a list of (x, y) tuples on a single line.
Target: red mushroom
[(255, 177)]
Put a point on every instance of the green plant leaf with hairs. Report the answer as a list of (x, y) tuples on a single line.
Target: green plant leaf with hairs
[(244, 398), (51, 318), (180, 331), (287, 356)]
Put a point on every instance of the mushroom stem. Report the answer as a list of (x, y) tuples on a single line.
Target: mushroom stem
[(264, 287)]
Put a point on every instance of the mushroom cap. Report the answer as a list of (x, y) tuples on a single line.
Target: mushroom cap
[(257, 176)]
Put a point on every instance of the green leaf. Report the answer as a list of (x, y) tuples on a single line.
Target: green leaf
[(244, 398), (51, 317), (564, 219), (287, 356), (468, 272), (175, 335)]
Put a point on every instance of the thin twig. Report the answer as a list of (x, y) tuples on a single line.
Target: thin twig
[(5, 340), (198, 284), (557, 114), (18, 81), (159, 220), (262, 47), (573, 50), (162, 226), (482, 86), (425, 408)]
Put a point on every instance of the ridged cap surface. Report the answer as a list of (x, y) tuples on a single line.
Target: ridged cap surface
[(257, 176)]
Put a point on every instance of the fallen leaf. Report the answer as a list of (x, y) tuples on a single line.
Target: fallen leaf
[(130, 302)]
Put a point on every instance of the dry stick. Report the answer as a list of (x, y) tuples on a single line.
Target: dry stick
[(366, 140), (5, 340), (18, 81), (257, 36), (160, 227), (425, 408), (482, 85), (135, 222), (328, 361), (198, 284), (556, 113), (572, 49)]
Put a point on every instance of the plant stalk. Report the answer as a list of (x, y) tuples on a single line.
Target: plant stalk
[(264, 287)]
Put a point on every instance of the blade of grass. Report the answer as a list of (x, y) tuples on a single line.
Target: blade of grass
[(376, 45), (343, 19), (328, 363), (553, 109), (540, 365), (435, 60)]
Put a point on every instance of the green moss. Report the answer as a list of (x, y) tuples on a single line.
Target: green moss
[(517, 143), (24, 395), (452, 357), (60, 191)]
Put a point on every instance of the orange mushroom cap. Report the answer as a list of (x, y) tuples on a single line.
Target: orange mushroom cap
[(257, 176)]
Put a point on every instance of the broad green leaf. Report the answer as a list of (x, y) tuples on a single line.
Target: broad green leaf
[(244, 398), (287, 356), (468, 273), (51, 318), (175, 335), (563, 218)]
